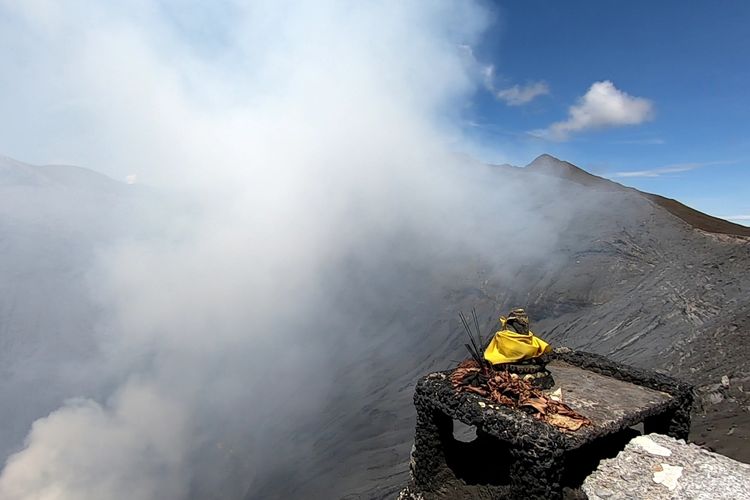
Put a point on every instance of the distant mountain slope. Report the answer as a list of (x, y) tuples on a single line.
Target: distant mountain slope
[(550, 165), (629, 279), (698, 219), (53, 219), (18, 174)]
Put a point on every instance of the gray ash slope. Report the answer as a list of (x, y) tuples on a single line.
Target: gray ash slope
[(50, 220), (633, 276), (53, 220)]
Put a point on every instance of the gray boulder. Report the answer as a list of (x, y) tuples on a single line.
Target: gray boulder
[(659, 467)]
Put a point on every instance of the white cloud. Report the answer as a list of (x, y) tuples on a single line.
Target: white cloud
[(740, 219), (650, 141), (669, 169), (604, 105), (488, 74), (517, 95)]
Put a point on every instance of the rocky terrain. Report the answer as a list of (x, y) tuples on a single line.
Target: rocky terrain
[(659, 467), (634, 276)]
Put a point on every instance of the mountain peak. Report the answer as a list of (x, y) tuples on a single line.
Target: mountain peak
[(545, 158), (549, 165)]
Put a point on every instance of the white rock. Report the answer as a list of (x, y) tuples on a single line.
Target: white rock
[(668, 476), (650, 446), (691, 474), (557, 395)]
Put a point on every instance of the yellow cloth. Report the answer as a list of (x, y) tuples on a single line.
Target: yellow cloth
[(509, 347)]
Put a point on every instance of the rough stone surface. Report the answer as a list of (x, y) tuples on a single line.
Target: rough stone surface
[(605, 400), (645, 470), (518, 456)]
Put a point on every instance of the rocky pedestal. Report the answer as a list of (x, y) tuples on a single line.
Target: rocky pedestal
[(517, 456)]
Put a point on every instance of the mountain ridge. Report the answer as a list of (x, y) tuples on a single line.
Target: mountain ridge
[(549, 165), (17, 173)]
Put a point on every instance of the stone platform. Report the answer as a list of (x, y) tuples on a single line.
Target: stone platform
[(516, 456)]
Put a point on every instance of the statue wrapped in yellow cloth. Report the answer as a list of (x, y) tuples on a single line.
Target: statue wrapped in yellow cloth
[(514, 342)]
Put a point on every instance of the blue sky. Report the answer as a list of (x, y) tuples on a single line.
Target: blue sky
[(651, 94), (689, 62)]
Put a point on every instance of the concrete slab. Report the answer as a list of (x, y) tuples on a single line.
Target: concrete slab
[(604, 400)]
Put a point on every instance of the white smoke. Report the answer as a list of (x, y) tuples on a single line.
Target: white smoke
[(310, 140), (134, 449)]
